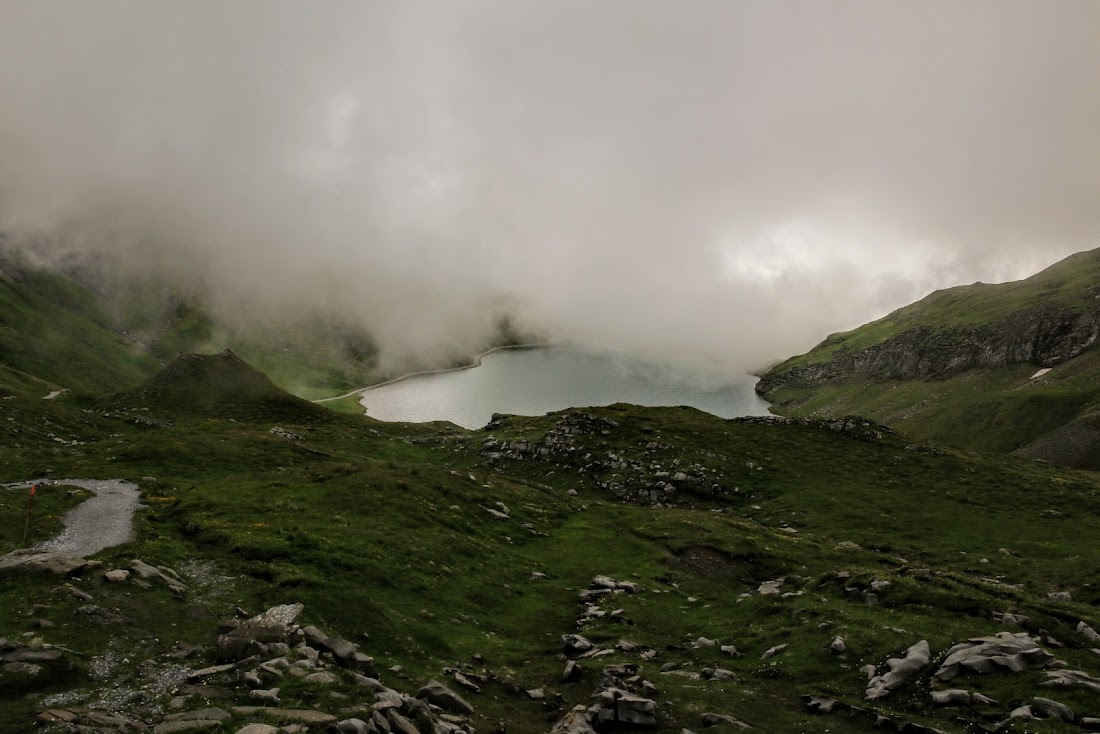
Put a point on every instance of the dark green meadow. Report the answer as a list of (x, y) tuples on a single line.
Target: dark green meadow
[(383, 532)]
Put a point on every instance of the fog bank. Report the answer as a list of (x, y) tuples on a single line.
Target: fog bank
[(721, 181)]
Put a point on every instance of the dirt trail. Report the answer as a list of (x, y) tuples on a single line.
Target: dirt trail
[(104, 520)]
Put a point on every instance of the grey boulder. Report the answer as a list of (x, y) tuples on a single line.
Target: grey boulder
[(36, 560), (440, 695), (900, 671)]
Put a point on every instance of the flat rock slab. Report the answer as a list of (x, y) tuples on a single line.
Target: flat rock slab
[(172, 727), (305, 716), (37, 560), (213, 670), (214, 714)]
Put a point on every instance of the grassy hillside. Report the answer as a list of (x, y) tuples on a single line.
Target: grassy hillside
[(92, 332), (960, 366), (1072, 284), (384, 532), (54, 333)]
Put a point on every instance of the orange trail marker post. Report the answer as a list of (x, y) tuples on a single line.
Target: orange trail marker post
[(30, 504)]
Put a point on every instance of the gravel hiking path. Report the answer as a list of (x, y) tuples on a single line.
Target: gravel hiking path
[(104, 520)]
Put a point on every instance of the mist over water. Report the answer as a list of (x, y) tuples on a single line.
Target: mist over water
[(538, 381), (711, 183)]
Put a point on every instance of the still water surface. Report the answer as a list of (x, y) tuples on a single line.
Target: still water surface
[(536, 381)]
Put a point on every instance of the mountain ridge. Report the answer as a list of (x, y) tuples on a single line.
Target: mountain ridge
[(979, 344)]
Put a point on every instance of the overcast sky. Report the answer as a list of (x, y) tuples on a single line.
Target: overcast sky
[(724, 181)]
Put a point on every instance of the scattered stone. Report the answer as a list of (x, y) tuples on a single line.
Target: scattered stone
[(252, 636), (837, 646), (1044, 708), (258, 729), (823, 705), (770, 588), (719, 719), (574, 722), (151, 573), (78, 593), (576, 644), (536, 694), (772, 651), (285, 434), (731, 651), (117, 576), (704, 642), (271, 695), (1089, 633), (1014, 620), (213, 670), (716, 674), (901, 670), (466, 683), (28, 669), (173, 727), (322, 678), (617, 706), (1059, 596), (572, 672), (952, 697), (606, 582)]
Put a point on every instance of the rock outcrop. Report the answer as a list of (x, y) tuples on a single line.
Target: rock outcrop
[(1043, 336), (1014, 652), (900, 671)]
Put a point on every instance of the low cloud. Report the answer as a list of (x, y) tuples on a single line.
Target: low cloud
[(717, 183)]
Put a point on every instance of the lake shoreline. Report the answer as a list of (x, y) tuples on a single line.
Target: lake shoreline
[(441, 371), (530, 381)]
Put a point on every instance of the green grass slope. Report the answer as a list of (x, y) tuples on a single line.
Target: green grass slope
[(384, 532), (1072, 284), (94, 331), (54, 333), (901, 370)]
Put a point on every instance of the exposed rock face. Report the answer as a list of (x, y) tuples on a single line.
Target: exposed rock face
[(1043, 336), (1015, 652)]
